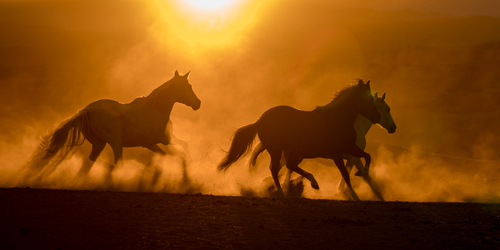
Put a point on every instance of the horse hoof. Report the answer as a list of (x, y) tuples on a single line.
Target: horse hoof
[(359, 173), (277, 194), (314, 184)]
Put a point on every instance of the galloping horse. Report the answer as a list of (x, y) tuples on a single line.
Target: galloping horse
[(325, 132), (141, 123), (362, 125)]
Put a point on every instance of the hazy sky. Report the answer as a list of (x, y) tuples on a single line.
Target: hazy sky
[(440, 72), (459, 7)]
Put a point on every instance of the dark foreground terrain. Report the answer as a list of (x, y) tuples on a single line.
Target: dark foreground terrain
[(56, 219)]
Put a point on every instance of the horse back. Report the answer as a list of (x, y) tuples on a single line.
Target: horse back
[(130, 123), (112, 107)]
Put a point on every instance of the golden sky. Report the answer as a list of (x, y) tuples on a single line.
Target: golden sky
[(437, 61)]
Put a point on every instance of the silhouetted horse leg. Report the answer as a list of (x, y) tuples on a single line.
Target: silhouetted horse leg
[(293, 164), (359, 165), (286, 182), (339, 161), (149, 164), (288, 175), (156, 149), (97, 148), (374, 187), (351, 161), (183, 154), (118, 156), (186, 155), (259, 148), (357, 152), (275, 169)]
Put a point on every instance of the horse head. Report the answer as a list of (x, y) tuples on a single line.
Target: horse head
[(365, 102), (184, 91), (386, 120)]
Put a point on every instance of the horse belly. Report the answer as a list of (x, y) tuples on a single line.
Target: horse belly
[(103, 121), (143, 132), (112, 122), (290, 135), (288, 129)]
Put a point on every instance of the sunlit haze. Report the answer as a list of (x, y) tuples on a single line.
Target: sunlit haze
[(437, 62), (201, 26), (211, 5)]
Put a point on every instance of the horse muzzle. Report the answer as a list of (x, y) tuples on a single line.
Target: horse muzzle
[(196, 106), (392, 130)]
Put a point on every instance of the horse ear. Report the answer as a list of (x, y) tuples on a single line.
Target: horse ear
[(176, 74), (368, 83), (187, 74), (360, 82), (383, 96), (375, 95)]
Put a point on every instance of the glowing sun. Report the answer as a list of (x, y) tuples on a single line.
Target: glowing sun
[(210, 5)]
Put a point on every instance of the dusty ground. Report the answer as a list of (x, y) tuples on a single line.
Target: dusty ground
[(57, 219)]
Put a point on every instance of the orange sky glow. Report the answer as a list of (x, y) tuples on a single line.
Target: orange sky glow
[(436, 60)]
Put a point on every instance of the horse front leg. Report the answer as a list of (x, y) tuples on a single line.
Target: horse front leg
[(374, 187), (357, 152), (366, 171), (351, 161), (360, 153), (152, 171), (339, 161)]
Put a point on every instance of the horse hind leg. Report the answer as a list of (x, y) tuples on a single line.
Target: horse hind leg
[(275, 168), (357, 152), (288, 177), (97, 148), (117, 148), (293, 164)]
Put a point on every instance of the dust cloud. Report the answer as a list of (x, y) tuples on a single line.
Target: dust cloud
[(439, 71)]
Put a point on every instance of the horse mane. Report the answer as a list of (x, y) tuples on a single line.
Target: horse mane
[(138, 100), (160, 89), (156, 97), (339, 98)]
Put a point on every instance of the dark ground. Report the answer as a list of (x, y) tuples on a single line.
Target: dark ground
[(59, 219)]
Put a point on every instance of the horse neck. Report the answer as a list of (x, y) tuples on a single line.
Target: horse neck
[(342, 108), (362, 124), (160, 106)]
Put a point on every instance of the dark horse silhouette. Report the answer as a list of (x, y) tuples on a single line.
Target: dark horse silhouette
[(325, 132), (141, 123), (361, 125)]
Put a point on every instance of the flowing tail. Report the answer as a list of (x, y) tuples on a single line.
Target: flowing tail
[(242, 143), (256, 152), (53, 149)]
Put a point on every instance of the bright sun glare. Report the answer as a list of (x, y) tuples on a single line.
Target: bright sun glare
[(207, 24), (210, 5)]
